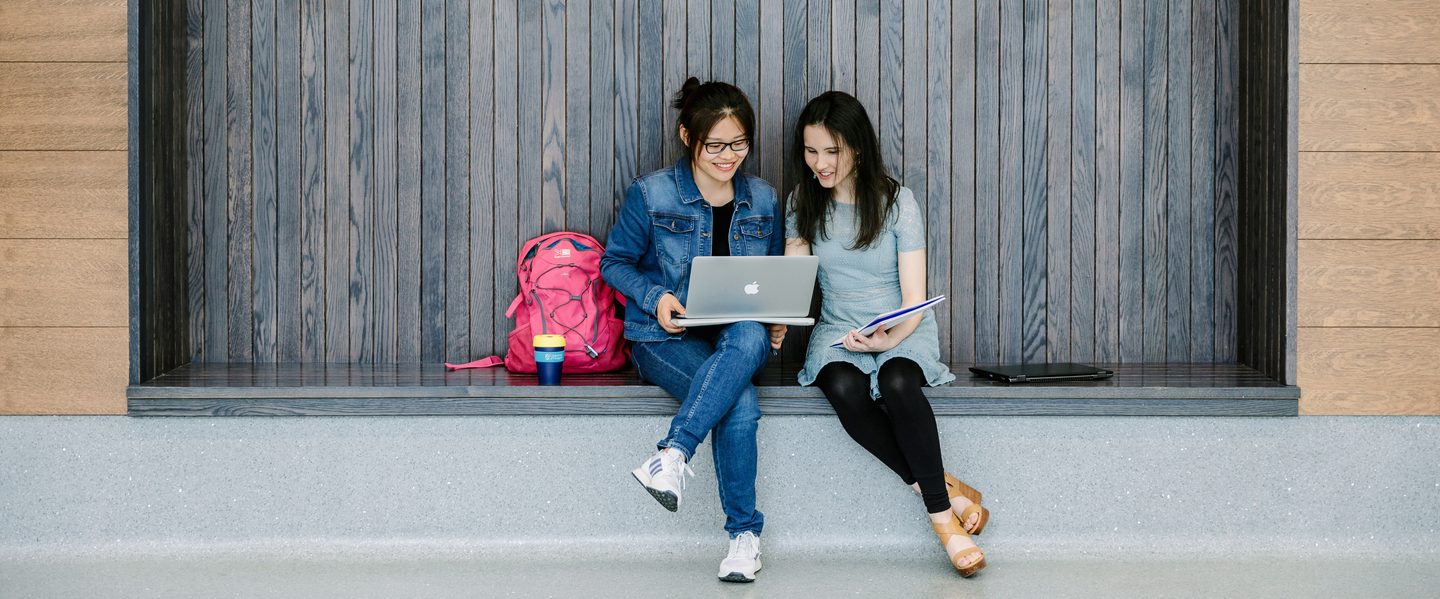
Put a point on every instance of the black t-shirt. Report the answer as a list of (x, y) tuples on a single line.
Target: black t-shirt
[(720, 243)]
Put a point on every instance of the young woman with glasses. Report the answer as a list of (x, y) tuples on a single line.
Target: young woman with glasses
[(701, 206), (869, 233)]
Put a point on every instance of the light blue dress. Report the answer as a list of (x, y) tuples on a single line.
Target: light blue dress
[(858, 284)]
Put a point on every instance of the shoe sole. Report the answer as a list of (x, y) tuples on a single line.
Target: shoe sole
[(667, 499), (739, 577)]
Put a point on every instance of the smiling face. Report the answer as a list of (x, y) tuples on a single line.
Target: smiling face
[(719, 168), (829, 158)]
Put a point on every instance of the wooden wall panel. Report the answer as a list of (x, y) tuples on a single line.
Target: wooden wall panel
[(1370, 31), (70, 31), (1369, 371), (63, 207), (1265, 242), (1369, 195), (1369, 108), (1105, 338), (63, 370), (1369, 283), (62, 195), (412, 192), (62, 106), (63, 282)]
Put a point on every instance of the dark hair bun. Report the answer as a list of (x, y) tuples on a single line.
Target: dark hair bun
[(687, 91)]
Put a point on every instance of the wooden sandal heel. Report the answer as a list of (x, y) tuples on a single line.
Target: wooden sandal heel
[(958, 488)]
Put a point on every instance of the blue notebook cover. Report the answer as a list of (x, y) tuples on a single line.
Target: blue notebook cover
[(892, 317)]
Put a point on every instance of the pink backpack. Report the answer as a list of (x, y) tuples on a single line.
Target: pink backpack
[(561, 293)]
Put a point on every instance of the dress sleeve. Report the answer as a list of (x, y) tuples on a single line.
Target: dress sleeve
[(909, 223), (791, 229)]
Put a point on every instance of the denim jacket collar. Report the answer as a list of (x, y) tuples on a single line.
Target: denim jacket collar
[(690, 192)]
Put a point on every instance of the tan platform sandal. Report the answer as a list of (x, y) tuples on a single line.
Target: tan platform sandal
[(958, 488), (947, 530)]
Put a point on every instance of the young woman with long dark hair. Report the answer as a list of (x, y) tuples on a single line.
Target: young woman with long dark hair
[(869, 233), (701, 206)]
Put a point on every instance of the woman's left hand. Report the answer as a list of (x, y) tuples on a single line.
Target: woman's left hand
[(777, 335), (877, 342)]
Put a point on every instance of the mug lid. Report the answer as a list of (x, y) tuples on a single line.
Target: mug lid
[(549, 341)]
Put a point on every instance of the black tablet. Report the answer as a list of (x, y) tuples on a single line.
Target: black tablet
[(1041, 372)]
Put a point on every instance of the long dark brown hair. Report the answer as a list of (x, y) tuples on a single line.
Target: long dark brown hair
[(702, 105), (875, 190)]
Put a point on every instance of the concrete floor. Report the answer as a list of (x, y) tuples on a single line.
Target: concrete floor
[(795, 577)]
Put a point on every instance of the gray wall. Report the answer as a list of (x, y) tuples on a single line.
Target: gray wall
[(1062, 487), (359, 175)]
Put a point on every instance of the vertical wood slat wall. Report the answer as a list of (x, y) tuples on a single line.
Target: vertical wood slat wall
[(359, 175), (1261, 245)]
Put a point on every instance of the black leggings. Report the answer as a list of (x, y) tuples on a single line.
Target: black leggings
[(903, 435)]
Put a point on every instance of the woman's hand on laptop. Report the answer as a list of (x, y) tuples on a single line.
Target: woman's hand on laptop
[(667, 305), (777, 335)]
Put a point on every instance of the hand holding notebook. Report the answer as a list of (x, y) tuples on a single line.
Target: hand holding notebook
[(891, 317)]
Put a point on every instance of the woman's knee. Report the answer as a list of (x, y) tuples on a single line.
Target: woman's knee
[(749, 340), (845, 387), (900, 380)]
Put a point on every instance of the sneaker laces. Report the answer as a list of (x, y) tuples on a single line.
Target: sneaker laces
[(669, 457), (744, 546)]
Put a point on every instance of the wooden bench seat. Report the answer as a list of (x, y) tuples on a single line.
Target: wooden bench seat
[(223, 389)]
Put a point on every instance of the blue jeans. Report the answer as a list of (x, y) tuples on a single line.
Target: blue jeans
[(709, 371)]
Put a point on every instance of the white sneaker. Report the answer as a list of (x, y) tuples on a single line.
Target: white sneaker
[(663, 475), (744, 559)]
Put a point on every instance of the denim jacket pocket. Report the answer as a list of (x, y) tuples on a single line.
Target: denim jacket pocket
[(755, 233), (674, 236)]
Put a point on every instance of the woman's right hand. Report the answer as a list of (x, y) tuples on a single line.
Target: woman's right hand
[(667, 305)]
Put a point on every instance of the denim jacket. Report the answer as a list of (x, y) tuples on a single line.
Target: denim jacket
[(663, 223)]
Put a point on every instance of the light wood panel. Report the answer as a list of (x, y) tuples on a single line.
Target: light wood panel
[(63, 282), (1369, 195), (1369, 283), (1369, 371), (63, 207), (62, 106), (1369, 107), (1370, 31), (62, 194), (1369, 200), (69, 30), (63, 370)]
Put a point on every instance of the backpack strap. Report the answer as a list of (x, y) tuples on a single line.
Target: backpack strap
[(515, 303), (481, 363)]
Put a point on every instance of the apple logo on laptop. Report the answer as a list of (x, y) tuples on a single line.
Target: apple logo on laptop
[(752, 288)]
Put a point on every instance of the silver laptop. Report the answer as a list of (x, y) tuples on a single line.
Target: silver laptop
[(769, 289)]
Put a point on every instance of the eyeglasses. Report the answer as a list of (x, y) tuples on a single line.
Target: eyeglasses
[(715, 147)]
